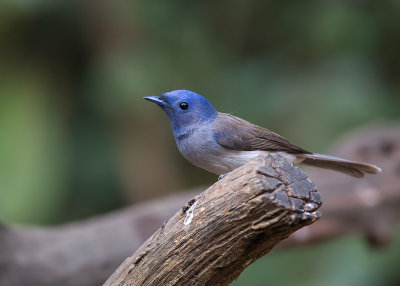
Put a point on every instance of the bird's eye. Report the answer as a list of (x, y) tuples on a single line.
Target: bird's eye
[(183, 105)]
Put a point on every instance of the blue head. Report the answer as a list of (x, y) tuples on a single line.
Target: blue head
[(184, 108)]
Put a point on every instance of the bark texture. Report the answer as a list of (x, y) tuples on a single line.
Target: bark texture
[(226, 228)]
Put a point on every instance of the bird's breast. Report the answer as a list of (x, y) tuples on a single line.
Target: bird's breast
[(201, 149)]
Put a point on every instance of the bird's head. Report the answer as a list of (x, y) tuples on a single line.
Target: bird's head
[(184, 108)]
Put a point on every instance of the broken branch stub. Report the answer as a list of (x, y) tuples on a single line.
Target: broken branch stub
[(226, 228)]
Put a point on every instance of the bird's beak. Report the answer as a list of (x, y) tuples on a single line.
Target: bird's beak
[(156, 99)]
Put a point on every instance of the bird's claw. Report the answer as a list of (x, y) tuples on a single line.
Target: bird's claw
[(222, 175)]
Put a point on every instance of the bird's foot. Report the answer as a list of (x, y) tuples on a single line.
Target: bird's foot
[(222, 175)]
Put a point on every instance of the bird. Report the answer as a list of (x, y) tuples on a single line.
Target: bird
[(220, 142)]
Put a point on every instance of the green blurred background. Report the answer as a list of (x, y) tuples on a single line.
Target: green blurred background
[(78, 140)]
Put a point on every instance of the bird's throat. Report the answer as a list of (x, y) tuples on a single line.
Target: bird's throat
[(184, 134)]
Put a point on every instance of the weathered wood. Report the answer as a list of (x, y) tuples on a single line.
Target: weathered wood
[(227, 227)]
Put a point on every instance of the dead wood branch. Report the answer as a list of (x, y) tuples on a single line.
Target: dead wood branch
[(227, 227)]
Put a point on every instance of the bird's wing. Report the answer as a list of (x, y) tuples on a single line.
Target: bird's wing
[(238, 134)]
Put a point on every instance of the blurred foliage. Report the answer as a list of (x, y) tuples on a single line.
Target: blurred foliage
[(77, 139)]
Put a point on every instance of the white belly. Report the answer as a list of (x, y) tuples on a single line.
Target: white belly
[(234, 159), (231, 160)]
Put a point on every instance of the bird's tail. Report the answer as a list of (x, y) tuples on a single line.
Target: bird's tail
[(352, 168)]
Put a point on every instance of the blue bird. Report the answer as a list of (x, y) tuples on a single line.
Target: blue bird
[(220, 142)]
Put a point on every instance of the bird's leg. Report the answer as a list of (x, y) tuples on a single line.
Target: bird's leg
[(222, 175)]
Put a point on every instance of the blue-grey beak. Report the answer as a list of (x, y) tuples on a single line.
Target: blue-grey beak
[(156, 99)]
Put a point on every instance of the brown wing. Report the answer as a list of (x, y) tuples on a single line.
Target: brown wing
[(238, 134)]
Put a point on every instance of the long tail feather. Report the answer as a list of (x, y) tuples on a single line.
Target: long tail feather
[(352, 168)]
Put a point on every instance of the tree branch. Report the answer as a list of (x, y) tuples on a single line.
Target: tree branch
[(227, 227)]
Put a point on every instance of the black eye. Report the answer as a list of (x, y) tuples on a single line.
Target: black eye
[(184, 105)]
